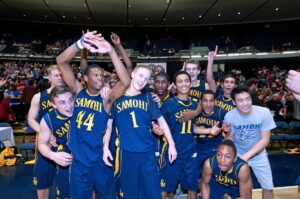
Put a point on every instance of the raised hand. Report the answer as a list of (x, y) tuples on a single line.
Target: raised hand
[(99, 45), (212, 54), (115, 39), (293, 83)]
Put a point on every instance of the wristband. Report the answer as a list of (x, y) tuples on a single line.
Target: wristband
[(78, 44)]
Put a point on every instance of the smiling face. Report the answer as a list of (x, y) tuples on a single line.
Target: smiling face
[(64, 103), (183, 84), (243, 103), (161, 85), (225, 157), (94, 79), (140, 77)]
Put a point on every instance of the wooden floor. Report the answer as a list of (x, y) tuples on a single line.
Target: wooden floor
[(280, 193)]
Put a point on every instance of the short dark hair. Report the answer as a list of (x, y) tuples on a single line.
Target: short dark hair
[(89, 67), (252, 81), (228, 76), (181, 72), (161, 74), (58, 90), (208, 92), (238, 90), (229, 143)]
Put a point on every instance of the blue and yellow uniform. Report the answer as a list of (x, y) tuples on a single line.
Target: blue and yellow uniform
[(43, 166), (59, 125), (225, 183), (207, 144), (138, 163), (224, 103), (161, 139), (184, 169), (88, 170), (196, 91)]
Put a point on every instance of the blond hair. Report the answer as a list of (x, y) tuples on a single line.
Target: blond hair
[(141, 66), (192, 61), (51, 68)]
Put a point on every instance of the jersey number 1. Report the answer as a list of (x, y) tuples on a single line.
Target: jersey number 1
[(135, 125)]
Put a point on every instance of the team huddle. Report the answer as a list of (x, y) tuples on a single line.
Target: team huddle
[(136, 141)]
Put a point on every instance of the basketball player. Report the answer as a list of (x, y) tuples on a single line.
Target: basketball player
[(223, 96), (40, 105), (90, 117), (192, 67), (210, 123), (56, 123), (226, 174), (133, 114), (184, 169)]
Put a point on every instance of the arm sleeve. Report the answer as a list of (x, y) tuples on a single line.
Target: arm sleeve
[(268, 121)]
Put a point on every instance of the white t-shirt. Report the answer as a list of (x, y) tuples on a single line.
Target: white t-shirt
[(247, 129)]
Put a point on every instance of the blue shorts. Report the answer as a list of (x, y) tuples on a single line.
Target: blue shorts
[(139, 175), (84, 179), (117, 171), (183, 171), (44, 172), (201, 157), (218, 190), (62, 182)]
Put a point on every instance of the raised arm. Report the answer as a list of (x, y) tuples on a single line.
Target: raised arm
[(245, 182), (83, 59), (172, 150), (118, 44), (65, 58), (61, 158), (209, 72), (63, 61), (205, 179), (102, 46)]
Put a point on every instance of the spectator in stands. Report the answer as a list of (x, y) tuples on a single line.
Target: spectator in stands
[(5, 108), (276, 107), (252, 83), (15, 101), (28, 92)]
